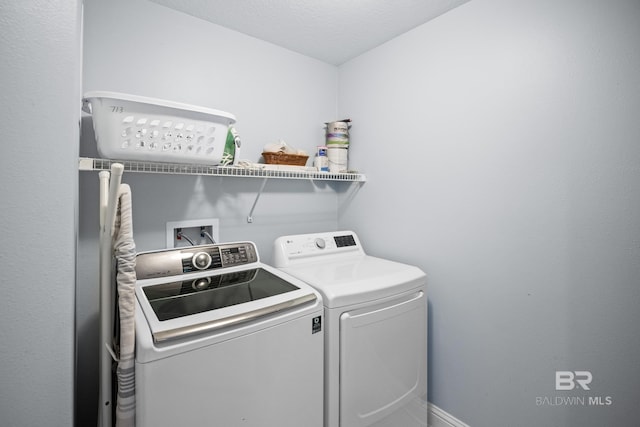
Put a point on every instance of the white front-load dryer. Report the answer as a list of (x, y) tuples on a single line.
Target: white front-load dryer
[(375, 329)]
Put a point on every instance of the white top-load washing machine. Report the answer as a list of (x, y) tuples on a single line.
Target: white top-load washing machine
[(224, 340), (375, 329)]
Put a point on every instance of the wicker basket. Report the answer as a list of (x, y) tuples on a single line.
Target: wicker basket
[(280, 158)]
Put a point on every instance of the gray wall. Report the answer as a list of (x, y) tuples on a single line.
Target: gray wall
[(39, 117), (501, 143), (274, 93)]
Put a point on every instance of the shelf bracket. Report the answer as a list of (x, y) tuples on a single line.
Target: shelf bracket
[(255, 202)]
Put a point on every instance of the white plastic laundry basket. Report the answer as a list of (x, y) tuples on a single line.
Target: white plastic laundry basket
[(130, 127)]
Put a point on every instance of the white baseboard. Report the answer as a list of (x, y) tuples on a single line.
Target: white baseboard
[(439, 418)]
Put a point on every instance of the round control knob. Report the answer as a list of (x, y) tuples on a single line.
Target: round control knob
[(201, 260), (320, 243)]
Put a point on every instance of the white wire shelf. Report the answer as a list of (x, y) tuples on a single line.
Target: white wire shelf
[(95, 164)]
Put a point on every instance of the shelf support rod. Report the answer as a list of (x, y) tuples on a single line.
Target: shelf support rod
[(255, 202)]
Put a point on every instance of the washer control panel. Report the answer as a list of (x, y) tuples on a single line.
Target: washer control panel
[(218, 256), (183, 260), (238, 254)]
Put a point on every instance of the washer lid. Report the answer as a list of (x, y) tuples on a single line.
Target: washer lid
[(358, 279), (196, 303)]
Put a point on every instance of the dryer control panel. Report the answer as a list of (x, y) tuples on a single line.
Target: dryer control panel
[(288, 249), (172, 262)]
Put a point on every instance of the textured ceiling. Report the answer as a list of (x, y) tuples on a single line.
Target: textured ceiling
[(332, 31)]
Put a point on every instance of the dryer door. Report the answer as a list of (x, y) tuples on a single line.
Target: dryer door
[(383, 364)]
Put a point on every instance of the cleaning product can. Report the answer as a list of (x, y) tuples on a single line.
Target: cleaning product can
[(337, 134), (338, 158)]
